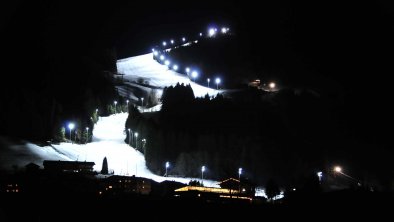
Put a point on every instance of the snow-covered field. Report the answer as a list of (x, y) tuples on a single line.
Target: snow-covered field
[(108, 136), (144, 68)]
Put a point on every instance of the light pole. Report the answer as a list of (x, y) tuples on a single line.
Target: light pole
[(202, 174), (239, 178), (115, 102), (87, 134), (272, 86), (71, 127), (208, 80), (127, 103), (338, 169), (136, 140), (142, 104), (97, 117), (129, 136), (319, 174), (143, 144), (167, 165), (194, 75), (187, 70), (217, 83)]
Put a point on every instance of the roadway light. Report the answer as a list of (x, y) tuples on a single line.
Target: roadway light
[(175, 67), (194, 75), (162, 57), (217, 83), (167, 165), (71, 127)]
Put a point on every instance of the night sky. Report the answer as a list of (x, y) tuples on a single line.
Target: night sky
[(346, 48)]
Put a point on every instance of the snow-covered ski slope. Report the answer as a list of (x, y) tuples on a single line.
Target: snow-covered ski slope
[(108, 141), (156, 75)]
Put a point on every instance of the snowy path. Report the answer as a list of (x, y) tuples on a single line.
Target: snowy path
[(157, 75), (108, 137)]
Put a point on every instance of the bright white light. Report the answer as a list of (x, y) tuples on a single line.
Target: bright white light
[(167, 63), (162, 57), (224, 30), (272, 85), (202, 168), (240, 171), (87, 128), (136, 134), (167, 164), (155, 53), (115, 102), (338, 169), (172, 41), (200, 34), (127, 101), (175, 67), (217, 80), (153, 49), (208, 80), (187, 70), (194, 74), (71, 126), (319, 174), (211, 32), (164, 43), (183, 39)]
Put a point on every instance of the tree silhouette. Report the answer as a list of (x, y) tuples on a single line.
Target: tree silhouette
[(271, 189), (104, 169)]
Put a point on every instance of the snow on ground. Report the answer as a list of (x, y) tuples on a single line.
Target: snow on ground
[(108, 141), (157, 75)]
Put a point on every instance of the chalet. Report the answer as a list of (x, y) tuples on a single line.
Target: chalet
[(126, 185), (68, 166), (244, 188), (230, 190)]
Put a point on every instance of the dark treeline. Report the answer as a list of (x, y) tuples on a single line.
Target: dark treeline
[(55, 73), (285, 135)]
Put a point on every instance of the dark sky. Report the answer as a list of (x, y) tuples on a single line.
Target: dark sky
[(348, 44)]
